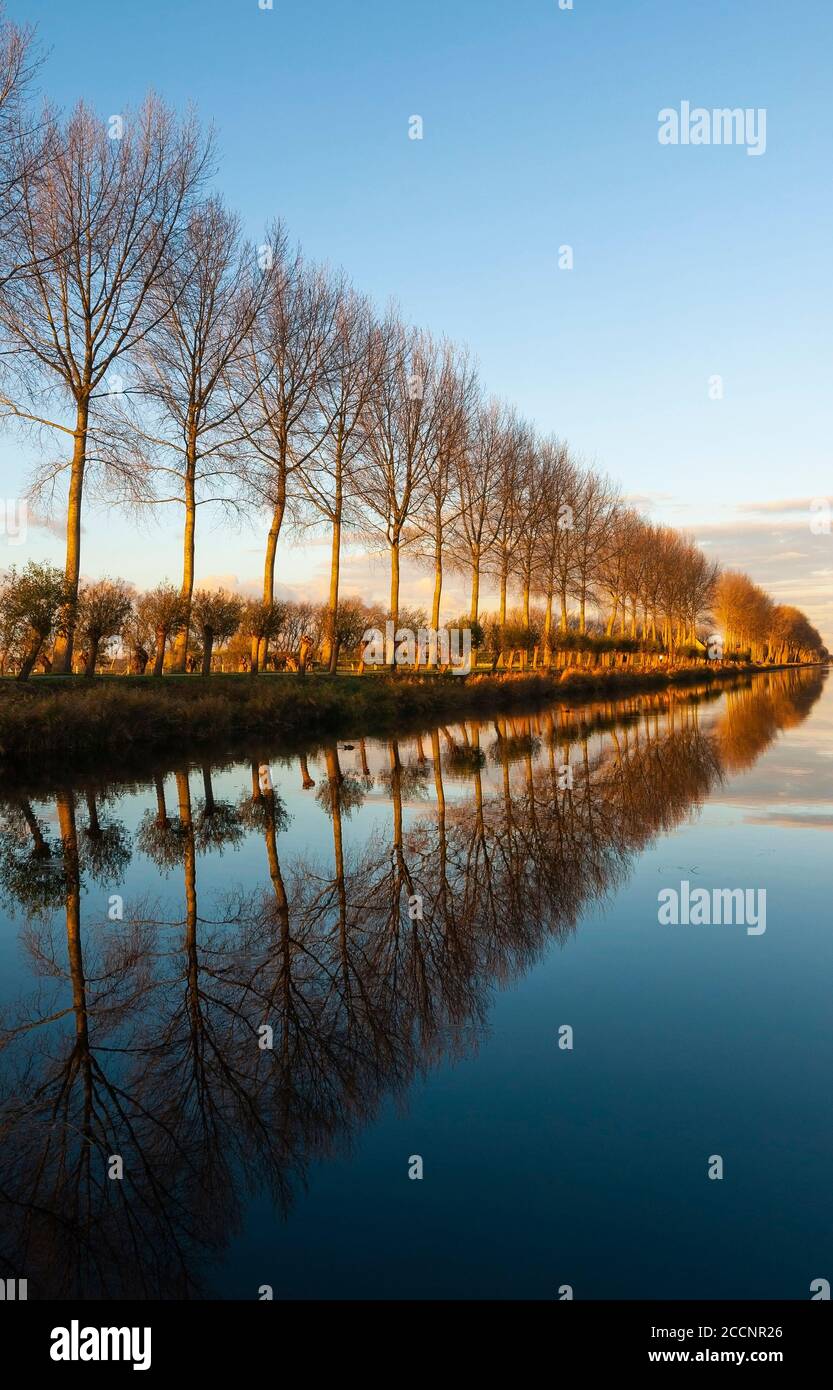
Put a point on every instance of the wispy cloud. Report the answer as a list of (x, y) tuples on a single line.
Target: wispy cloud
[(792, 820), (784, 507), (55, 525), (786, 558)]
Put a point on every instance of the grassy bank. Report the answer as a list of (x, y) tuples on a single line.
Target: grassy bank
[(70, 721)]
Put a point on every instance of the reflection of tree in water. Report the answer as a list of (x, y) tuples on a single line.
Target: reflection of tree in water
[(514, 741), (142, 1039), (161, 836), (33, 862), (780, 700), (106, 845), (217, 823), (343, 792), (405, 781), (259, 811), (463, 754), (139, 998), (366, 774), (31, 866), (67, 1225)]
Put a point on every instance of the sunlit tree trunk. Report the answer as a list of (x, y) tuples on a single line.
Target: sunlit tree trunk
[(394, 596), (260, 644), (332, 645), (62, 654), (475, 584), (180, 651), (438, 574)]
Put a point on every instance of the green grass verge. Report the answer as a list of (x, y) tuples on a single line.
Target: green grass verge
[(73, 719)]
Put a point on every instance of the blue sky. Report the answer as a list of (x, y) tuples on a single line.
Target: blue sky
[(540, 129)]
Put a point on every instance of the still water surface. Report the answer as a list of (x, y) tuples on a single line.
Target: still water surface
[(416, 920)]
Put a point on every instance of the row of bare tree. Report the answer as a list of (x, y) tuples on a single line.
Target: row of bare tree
[(750, 622), (173, 363)]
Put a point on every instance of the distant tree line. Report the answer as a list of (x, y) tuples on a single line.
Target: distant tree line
[(163, 360)]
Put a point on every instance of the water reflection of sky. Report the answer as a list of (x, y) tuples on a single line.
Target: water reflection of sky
[(542, 1167)]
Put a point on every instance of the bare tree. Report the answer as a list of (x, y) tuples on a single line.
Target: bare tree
[(98, 228), (139, 636), (480, 479), (31, 603), (163, 612), (104, 607), (216, 616), (23, 146), (342, 391), (556, 480), (507, 516), (452, 421), (594, 509), (286, 362), (398, 432), (622, 568), (645, 563), (532, 511), (261, 623), (184, 425)]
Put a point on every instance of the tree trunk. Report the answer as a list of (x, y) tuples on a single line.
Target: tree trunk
[(438, 576), (94, 824), (260, 644), (394, 597), (475, 586), (208, 790), (62, 654), (40, 846), (548, 631), (331, 653), (30, 658), (207, 647), (180, 651), (504, 581), (159, 659), (92, 656)]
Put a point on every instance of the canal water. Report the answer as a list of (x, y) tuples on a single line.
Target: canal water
[(400, 1018)]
